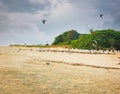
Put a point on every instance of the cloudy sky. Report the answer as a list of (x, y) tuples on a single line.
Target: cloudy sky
[(21, 20)]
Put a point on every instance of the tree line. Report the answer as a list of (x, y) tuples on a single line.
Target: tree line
[(97, 39)]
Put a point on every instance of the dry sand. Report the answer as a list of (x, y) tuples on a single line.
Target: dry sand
[(24, 71)]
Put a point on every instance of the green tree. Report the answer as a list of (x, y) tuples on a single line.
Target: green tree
[(58, 40), (98, 39), (84, 42), (66, 37)]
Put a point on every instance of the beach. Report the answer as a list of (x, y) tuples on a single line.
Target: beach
[(28, 70)]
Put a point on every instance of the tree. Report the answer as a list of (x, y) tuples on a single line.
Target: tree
[(98, 39), (66, 38), (58, 40), (84, 42)]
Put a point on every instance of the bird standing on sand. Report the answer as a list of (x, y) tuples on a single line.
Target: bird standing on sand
[(47, 63)]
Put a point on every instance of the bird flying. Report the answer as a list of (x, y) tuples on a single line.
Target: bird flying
[(101, 15), (43, 21)]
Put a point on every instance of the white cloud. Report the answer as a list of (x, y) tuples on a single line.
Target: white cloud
[(20, 21), (2, 7), (35, 36), (61, 15), (61, 10), (38, 1)]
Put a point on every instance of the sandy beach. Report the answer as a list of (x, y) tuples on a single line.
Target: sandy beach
[(28, 71)]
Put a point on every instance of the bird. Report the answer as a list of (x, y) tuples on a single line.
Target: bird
[(101, 15), (43, 21), (118, 63), (47, 63)]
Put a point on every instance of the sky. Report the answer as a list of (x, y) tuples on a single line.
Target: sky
[(21, 20)]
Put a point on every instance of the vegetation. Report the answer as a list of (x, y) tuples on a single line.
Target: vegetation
[(66, 38), (20, 45), (99, 39)]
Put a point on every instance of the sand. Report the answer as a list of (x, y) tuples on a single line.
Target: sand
[(24, 71)]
